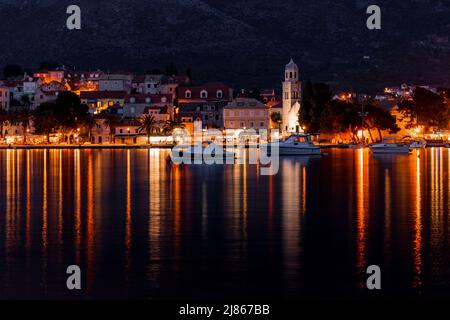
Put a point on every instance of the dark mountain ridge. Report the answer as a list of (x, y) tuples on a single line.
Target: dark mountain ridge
[(245, 43)]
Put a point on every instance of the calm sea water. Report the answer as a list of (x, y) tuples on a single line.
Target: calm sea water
[(140, 229)]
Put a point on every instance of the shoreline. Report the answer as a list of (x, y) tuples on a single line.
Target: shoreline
[(131, 146), (35, 147)]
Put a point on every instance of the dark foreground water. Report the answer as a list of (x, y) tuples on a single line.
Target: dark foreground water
[(139, 229)]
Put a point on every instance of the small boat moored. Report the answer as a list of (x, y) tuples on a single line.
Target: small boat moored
[(418, 144), (298, 144), (390, 147)]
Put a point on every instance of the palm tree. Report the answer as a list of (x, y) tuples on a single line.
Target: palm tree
[(112, 122), (148, 123), (172, 125)]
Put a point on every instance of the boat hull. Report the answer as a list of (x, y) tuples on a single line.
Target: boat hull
[(391, 150), (292, 151)]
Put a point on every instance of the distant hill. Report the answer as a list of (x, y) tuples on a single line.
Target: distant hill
[(243, 42)]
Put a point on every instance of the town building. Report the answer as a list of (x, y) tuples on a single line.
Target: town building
[(169, 84), (207, 100), (127, 132), (47, 76), (41, 96), (136, 103), (152, 83), (99, 101), (83, 80), (246, 113), (160, 114), (4, 98), (101, 131), (115, 82)]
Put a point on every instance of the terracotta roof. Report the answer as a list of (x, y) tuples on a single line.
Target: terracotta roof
[(139, 79), (142, 97), (241, 103), (102, 95), (11, 83), (211, 88), (179, 79)]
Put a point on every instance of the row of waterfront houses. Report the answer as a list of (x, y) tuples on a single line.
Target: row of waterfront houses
[(129, 97)]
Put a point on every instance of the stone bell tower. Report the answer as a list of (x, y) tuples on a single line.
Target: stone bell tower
[(291, 99)]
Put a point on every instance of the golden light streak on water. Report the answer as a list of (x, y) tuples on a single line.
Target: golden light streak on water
[(236, 199), (387, 216), (245, 205), (156, 192), (303, 189), (60, 202), (77, 225), (417, 247), (362, 182), (29, 177), (176, 207), (44, 222), (291, 208), (128, 235), (9, 226), (90, 227)]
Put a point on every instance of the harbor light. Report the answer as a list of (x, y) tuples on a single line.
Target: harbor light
[(360, 134)]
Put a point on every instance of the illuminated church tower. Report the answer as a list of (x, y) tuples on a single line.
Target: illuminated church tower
[(291, 99)]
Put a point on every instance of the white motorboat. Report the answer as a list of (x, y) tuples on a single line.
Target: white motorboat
[(298, 144), (418, 144), (387, 146)]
